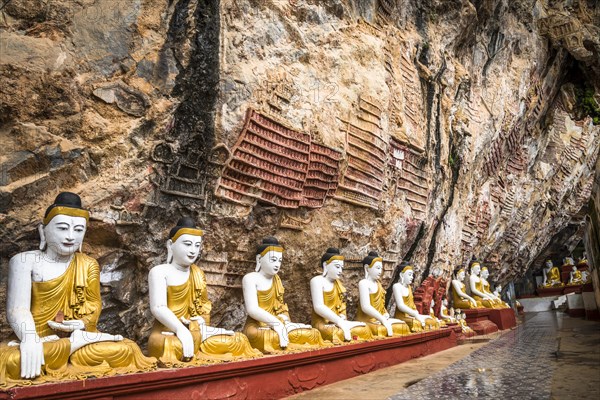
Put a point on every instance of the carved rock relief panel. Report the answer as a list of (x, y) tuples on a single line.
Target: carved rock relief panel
[(278, 165), (408, 165), (366, 150)]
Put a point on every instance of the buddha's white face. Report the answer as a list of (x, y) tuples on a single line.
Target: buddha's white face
[(569, 261), (334, 269), (270, 263), (574, 268), (461, 276), (408, 276), (485, 273), (64, 234), (549, 264), (475, 269), (375, 271), (186, 249)]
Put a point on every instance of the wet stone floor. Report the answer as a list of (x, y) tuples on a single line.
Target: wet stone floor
[(517, 365), (549, 356)]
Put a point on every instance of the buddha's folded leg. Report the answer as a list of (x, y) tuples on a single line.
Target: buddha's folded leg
[(228, 347), (400, 329), (263, 338), (56, 357), (331, 332), (431, 324), (307, 337), (123, 356), (463, 304), (361, 332), (413, 324), (377, 329)]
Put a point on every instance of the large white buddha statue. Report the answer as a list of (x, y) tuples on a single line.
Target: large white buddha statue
[(476, 285), (460, 298), (53, 306), (485, 287), (406, 309), (179, 302), (268, 326), (372, 301), (551, 276), (575, 277), (329, 302)]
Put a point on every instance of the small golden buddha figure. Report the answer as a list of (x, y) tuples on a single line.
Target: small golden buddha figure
[(406, 310), (461, 318), (371, 309), (440, 321), (460, 298), (485, 287), (268, 326), (179, 302), (329, 303), (55, 291), (575, 277), (551, 276), (487, 300), (447, 316)]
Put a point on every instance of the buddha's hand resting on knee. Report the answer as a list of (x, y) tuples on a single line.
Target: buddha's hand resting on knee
[(32, 356), (187, 341)]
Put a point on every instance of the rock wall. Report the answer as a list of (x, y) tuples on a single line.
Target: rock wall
[(427, 130)]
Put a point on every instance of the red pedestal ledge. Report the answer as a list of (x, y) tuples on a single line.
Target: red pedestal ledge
[(547, 292), (479, 320), (504, 318), (572, 289), (270, 377)]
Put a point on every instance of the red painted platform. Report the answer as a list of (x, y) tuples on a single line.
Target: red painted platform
[(269, 377), (587, 287), (504, 318), (549, 292), (479, 320), (572, 289)]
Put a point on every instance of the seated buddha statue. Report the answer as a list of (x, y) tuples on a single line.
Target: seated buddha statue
[(53, 306), (179, 302), (575, 277), (447, 316), (476, 285), (551, 276), (460, 298), (440, 321), (268, 326), (485, 287), (406, 309), (586, 277), (371, 309), (329, 302)]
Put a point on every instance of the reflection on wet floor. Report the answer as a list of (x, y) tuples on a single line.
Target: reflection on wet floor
[(517, 365)]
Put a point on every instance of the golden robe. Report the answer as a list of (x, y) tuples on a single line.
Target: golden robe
[(553, 278), (460, 303), (265, 339), (188, 300), (413, 323), (577, 278), (378, 302), (335, 300), (76, 293), (486, 289), (484, 302)]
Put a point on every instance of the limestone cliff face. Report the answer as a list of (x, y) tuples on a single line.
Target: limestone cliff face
[(427, 130)]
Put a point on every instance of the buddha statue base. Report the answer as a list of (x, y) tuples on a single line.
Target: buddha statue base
[(111, 358), (479, 321), (504, 318)]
